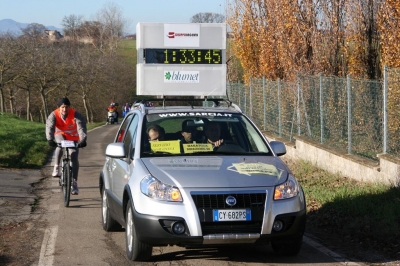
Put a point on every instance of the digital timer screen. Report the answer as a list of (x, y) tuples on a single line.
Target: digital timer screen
[(182, 56)]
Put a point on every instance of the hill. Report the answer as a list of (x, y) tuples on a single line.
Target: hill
[(12, 26)]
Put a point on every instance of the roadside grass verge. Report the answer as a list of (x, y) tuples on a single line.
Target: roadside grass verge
[(355, 213), (23, 143)]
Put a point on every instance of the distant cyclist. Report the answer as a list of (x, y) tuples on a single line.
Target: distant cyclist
[(65, 123)]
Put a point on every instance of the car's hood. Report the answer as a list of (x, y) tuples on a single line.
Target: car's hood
[(218, 171)]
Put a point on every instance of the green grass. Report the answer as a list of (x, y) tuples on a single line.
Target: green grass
[(365, 212), (127, 51), (23, 143)]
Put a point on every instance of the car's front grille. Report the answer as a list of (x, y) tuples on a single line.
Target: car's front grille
[(206, 203), (217, 201)]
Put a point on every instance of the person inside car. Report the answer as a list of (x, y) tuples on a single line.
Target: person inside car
[(189, 132), (212, 133), (155, 133)]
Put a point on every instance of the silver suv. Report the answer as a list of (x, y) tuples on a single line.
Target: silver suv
[(199, 176)]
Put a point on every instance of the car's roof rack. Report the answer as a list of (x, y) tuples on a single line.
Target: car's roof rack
[(216, 101), (142, 104)]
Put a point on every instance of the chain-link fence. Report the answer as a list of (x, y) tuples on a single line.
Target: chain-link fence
[(356, 116), (392, 111)]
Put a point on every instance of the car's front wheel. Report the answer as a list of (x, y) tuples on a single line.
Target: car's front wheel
[(135, 249), (288, 248), (109, 224)]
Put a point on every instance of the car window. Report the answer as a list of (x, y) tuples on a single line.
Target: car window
[(122, 130), (130, 136), (192, 133)]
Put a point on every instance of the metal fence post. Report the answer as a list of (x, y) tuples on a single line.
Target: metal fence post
[(385, 109), (264, 103), (349, 133), (239, 90), (245, 99), (279, 108), (321, 107), (298, 108), (251, 101)]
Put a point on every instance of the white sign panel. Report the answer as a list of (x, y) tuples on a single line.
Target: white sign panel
[(181, 76), (181, 35), (181, 59)]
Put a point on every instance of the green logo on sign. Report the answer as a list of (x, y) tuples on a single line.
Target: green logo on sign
[(168, 75)]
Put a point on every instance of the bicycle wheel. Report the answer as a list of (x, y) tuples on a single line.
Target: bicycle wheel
[(67, 183)]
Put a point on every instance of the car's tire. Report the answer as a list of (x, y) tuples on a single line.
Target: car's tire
[(287, 248), (135, 249), (109, 224)]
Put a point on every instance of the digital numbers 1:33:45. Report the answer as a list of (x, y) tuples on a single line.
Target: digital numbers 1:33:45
[(182, 56)]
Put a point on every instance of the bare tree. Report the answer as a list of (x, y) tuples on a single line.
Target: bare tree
[(72, 24), (88, 65), (34, 31), (207, 18), (10, 56), (112, 25)]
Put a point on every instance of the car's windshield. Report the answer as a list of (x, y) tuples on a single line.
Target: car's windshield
[(191, 133)]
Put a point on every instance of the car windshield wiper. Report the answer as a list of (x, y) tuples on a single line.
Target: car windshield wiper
[(157, 153), (259, 153)]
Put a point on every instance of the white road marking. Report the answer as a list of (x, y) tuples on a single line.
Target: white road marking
[(329, 252), (49, 242)]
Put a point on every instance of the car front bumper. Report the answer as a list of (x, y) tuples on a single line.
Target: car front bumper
[(157, 231)]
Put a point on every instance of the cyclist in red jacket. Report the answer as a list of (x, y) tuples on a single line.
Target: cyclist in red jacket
[(65, 123)]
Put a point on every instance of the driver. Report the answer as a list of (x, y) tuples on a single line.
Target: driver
[(212, 132), (189, 132)]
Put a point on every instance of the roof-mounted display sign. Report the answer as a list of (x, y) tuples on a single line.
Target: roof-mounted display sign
[(181, 59)]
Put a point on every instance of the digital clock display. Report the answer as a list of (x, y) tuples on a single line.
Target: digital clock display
[(182, 56)]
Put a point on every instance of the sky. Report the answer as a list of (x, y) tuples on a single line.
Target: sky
[(52, 12)]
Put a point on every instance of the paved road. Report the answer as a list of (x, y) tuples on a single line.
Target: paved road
[(16, 198), (74, 235)]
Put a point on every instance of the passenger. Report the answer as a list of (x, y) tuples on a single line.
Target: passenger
[(189, 132), (212, 133), (155, 133)]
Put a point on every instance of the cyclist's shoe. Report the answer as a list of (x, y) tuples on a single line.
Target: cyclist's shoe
[(74, 188), (56, 171)]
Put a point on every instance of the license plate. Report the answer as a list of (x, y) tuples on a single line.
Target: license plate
[(232, 215)]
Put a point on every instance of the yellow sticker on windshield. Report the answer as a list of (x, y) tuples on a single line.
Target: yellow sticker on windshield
[(197, 147), (171, 146), (254, 169)]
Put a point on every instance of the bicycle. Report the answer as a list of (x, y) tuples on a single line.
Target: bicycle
[(66, 169)]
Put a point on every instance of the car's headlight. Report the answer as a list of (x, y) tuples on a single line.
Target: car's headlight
[(287, 190), (153, 188)]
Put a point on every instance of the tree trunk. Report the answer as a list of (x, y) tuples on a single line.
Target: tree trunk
[(11, 96), (2, 99), (28, 96), (86, 107), (45, 113)]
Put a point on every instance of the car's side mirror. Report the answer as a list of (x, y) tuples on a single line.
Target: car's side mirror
[(116, 150), (278, 147)]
